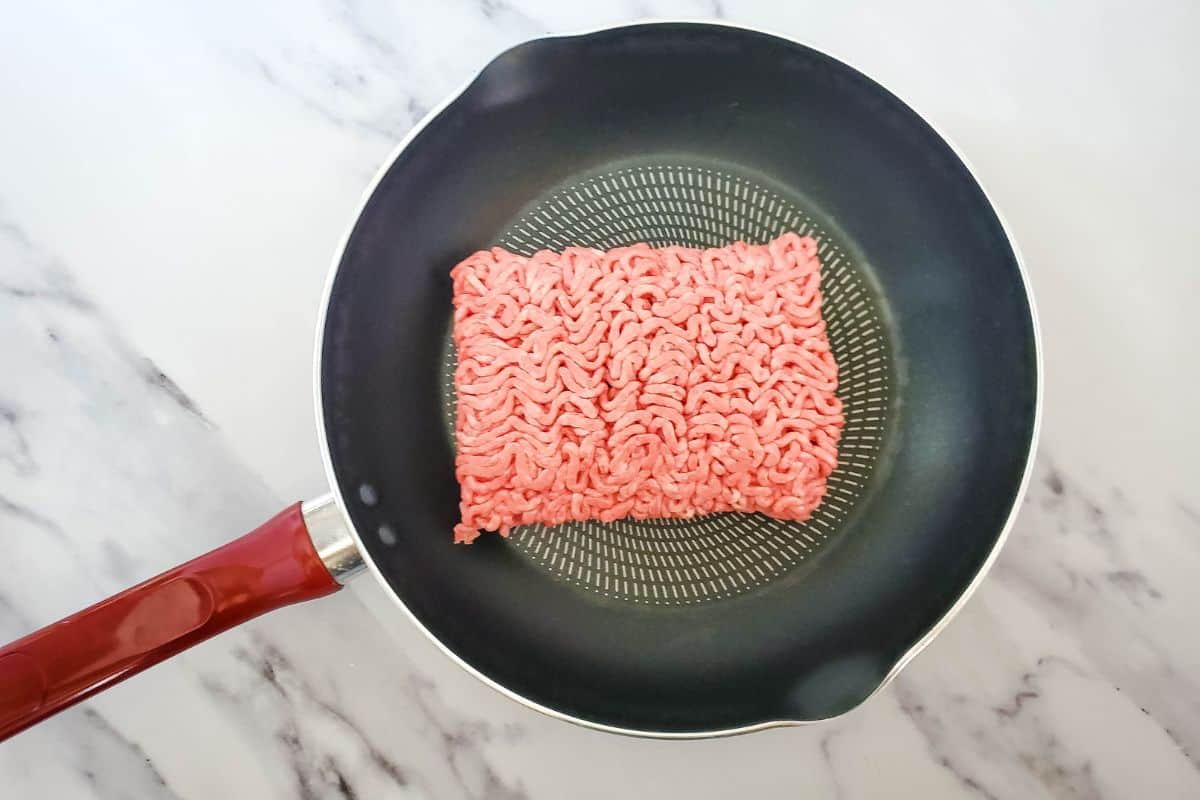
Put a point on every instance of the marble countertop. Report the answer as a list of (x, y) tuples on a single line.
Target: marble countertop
[(173, 181)]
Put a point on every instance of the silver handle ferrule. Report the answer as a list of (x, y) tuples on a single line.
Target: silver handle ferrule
[(331, 537)]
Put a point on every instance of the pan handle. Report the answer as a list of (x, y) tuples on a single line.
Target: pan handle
[(277, 564)]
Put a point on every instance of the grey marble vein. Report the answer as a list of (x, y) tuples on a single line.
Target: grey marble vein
[(159, 379), (1084, 557), (121, 457), (1016, 733), (460, 741), (14, 447), (26, 514), (363, 76), (302, 718), (112, 764), (826, 745), (316, 773), (48, 282)]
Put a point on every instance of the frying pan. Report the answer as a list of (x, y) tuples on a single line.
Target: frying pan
[(670, 133)]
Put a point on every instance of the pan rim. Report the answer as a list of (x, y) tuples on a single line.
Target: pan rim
[(916, 647)]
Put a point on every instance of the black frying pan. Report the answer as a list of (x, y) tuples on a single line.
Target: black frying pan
[(686, 134)]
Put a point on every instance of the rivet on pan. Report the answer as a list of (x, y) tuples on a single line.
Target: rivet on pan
[(387, 534), (367, 493)]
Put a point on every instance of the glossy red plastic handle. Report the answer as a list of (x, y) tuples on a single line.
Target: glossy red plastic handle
[(50, 669)]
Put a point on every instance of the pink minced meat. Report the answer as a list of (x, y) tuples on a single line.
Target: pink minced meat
[(642, 383)]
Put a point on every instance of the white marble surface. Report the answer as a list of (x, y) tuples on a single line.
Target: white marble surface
[(173, 180)]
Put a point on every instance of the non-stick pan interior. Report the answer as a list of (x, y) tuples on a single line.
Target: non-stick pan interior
[(935, 266), (715, 556)]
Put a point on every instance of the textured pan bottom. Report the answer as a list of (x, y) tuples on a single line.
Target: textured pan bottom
[(681, 202)]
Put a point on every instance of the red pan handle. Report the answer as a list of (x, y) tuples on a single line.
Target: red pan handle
[(53, 668)]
